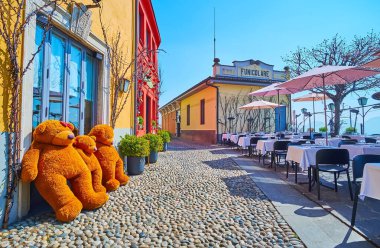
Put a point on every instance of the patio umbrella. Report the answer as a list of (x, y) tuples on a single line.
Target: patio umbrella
[(311, 97), (327, 75), (260, 104), (272, 90)]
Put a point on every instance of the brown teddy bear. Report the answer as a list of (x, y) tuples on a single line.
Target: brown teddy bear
[(50, 162), (109, 159), (86, 146)]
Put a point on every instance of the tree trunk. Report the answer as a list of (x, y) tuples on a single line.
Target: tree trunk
[(337, 114)]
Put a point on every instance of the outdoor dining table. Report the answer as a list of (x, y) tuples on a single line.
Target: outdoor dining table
[(360, 149), (304, 155), (331, 141), (226, 136), (245, 141), (265, 146), (370, 186), (234, 138)]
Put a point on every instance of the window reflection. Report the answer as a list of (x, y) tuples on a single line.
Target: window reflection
[(37, 79), (74, 90)]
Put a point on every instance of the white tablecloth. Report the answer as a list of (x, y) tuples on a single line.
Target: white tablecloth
[(234, 138), (359, 149), (331, 141), (371, 181), (244, 142), (303, 155), (226, 136), (265, 146)]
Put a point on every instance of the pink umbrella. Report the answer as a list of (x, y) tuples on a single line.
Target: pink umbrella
[(327, 75), (272, 90)]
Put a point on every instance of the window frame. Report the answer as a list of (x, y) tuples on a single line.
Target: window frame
[(45, 94), (202, 111), (188, 115)]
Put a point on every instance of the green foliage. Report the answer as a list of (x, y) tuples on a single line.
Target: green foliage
[(140, 120), (350, 130), (133, 146), (154, 124), (165, 135), (155, 142), (322, 129)]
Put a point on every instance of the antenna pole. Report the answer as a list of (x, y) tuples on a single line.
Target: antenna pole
[(214, 36)]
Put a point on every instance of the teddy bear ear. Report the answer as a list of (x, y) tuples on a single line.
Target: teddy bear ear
[(71, 126), (40, 128), (93, 137)]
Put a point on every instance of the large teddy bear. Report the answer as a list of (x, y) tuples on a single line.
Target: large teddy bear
[(50, 162), (86, 146), (109, 159)]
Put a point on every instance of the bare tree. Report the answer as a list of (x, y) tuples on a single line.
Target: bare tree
[(336, 51)]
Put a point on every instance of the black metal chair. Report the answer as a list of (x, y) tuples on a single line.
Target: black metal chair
[(307, 137), (252, 145), (317, 135), (358, 164), (346, 137), (332, 161), (347, 142), (280, 148), (370, 140), (224, 140)]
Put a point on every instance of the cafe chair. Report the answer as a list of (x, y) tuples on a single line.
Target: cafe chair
[(370, 140), (346, 137), (332, 161), (317, 136), (307, 137), (347, 142), (252, 145), (280, 148), (358, 164)]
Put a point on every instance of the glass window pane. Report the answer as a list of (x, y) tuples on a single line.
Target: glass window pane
[(89, 93), (37, 79), (75, 71), (57, 77)]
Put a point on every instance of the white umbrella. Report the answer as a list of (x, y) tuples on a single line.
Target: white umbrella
[(260, 104), (272, 90), (311, 97), (327, 75)]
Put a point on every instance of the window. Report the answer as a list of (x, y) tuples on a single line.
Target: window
[(64, 81), (202, 111), (141, 26), (188, 115), (148, 40)]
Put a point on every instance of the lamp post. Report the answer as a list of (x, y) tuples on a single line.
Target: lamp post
[(230, 119), (331, 107), (250, 121), (303, 111), (362, 102)]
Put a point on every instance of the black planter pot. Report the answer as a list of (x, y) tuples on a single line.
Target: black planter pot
[(165, 148), (135, 165), (153, 157)]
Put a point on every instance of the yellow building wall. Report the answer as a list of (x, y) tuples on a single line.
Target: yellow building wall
[(209, 94), (234, 96), (119, 15)]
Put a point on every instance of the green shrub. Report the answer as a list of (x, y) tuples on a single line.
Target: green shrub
[(155, 142), (165, 135), (350, 130), (132, 146), (322, 129), (140, 120)]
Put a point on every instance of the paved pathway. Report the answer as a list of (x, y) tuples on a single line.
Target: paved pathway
[(193, 197)]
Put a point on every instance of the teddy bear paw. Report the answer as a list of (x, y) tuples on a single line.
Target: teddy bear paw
[(69, 211), (112, 185), (95, 201), (100, 188)]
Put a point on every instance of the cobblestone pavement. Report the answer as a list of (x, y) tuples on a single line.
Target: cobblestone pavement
[(192, 197)]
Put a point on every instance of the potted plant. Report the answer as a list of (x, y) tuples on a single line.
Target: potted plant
[(350, 130), (154, 124), (140, 121), (155, 145), (165, 135), (136, 149), (323, 129)]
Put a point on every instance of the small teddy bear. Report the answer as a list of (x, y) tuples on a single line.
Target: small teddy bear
[(86, 146), (108, 157)]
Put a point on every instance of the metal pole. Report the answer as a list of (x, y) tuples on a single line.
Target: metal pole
[(363, 119), (314, 113), (279, 114), (325, 107)]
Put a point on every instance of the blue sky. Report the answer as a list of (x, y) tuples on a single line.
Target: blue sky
[(250, 29)]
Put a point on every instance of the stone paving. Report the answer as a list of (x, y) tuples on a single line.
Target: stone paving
[(193, 197)]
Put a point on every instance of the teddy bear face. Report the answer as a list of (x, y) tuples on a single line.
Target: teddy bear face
[(103, 133), (54, 132), (85, 143)]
